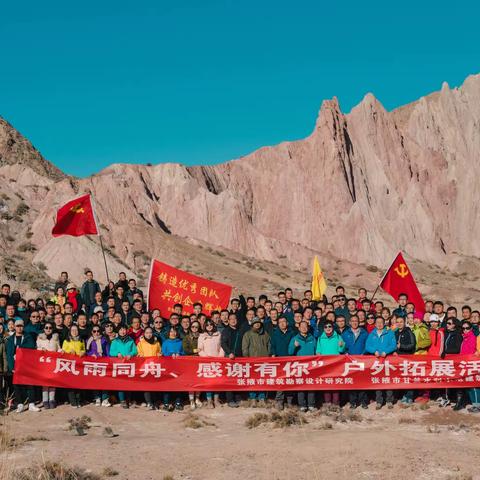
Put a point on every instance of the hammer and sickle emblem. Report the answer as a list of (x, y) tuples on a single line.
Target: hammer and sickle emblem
[(77, 209), (402, 270)]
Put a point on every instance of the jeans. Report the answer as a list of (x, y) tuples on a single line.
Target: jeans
[(166, 399), (306, 399), (280, 397), (233, 397), (358, 397), (256, 395), (124, 396), (98, 395), (474, 394), (379, 397)]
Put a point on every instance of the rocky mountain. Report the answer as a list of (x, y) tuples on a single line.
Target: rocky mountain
[(360, 187)]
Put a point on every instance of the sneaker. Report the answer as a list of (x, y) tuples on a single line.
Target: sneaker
[(443, 402), (166, 407), (390, 404), (124, 404), (198, 403), (46, 405), (179, 407), (192, 405), (379, 406), (312, 409), (365, 406), (20, 408), (303, 409), (474, 409), (457, 407), (53, 404), (106, 403), (150, 406), (233, 404), (33, 408), (353, 406), (98, 402)]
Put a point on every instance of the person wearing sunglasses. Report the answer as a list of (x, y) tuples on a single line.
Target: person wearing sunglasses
[(98, 346), (330, 343), (452, 346), (48, 341), (190, 347), (468, 347)]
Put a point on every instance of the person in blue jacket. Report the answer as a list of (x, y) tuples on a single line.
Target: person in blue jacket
[(355, 339), (381, 342), (172, 347), (123, 346), (279, 343), (304, 343)]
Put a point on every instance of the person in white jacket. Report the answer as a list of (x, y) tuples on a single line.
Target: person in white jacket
[(48, 341), (209, 346)]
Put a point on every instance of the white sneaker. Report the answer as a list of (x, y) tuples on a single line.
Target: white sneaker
[(98, 402), (106, 403), (33, 408), (192, 405), (198, 403), (20, 408)]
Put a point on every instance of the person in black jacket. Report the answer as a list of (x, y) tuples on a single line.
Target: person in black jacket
[(24, 394), (452, 346), (406, 345), (231, 343)]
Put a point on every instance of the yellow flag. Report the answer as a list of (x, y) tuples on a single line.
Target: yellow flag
[(319, 285)]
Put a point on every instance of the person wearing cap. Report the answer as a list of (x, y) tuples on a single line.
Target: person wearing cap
[(437, 337), (24, 394), (256, 343)]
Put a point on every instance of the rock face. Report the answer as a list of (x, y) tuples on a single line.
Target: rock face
[(361, 187)]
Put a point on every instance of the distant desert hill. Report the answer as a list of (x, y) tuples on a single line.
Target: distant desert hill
[(359, 188)]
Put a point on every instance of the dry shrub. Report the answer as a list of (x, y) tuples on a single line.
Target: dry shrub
[(53, 471), (325, 426), (82, 422), (433, 429), (339, 415), (194, 421), (277, 419), (168, 477), (109, 472), (407, 420)]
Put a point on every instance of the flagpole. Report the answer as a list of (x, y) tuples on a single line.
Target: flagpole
[(384, 275), (99, 234)]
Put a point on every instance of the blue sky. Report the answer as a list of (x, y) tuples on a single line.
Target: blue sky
[(95, 83)]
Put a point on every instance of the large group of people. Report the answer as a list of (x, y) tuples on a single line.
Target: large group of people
[(114, 322)]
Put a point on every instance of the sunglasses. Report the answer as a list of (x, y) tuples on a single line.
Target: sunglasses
[(194, 326), (47, 328), (450, 323), (466, 328), (95, 331), (327, 326)]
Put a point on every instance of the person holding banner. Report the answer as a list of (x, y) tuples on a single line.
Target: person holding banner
[(381, 342), (172, 347), (74, 345), (98, 346), (209, 345), (149, 346), (123, 346), (190, 347)]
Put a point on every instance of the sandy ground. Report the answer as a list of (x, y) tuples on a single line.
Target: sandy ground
[(397, 444)]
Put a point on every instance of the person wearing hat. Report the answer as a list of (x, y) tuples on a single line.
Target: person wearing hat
[(256, 343), (74, 298), (24, 394)]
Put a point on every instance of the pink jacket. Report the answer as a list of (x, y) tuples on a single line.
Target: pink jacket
[(209, 345), (469, 344)]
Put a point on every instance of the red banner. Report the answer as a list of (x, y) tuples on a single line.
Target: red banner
[(168, 285), (184, 374)]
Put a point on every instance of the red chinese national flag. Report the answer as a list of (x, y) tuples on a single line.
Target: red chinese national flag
[(76, 218), (168, 285), (399, 279)]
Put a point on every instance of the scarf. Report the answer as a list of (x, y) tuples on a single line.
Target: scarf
[(98, 342)]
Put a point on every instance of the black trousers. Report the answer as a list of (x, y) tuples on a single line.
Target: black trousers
[(379, 396), (24, 394), (358, 397)]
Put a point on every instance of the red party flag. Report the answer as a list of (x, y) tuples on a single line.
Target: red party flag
[(76, 218), (399, 279)]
